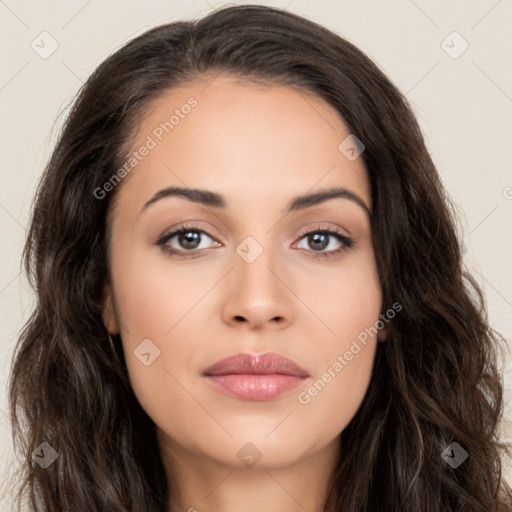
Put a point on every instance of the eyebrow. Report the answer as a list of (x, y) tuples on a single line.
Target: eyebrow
[(215, 200)]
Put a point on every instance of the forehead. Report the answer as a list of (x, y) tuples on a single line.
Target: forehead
[(245, 139)]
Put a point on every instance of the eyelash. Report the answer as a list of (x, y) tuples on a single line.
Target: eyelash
[(347, 243)]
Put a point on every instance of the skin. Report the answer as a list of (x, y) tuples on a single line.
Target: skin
[(259, 147)]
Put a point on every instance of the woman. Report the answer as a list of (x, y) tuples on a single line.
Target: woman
[(250, 291)]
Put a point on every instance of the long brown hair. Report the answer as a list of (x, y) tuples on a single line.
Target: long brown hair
[(435, 379)]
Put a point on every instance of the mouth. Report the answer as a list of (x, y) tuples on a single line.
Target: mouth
[(255, 377)]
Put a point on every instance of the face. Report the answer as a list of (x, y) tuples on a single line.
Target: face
[(254, 271)]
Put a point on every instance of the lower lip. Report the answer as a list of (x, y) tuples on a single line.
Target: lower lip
[(255, 387)]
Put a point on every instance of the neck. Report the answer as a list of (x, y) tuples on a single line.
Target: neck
[(204, 484)]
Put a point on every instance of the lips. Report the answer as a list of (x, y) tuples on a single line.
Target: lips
[(255, 377), (247, 364)]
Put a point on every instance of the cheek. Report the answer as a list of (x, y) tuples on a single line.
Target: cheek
[(346, 298), (153, 297), (338, 389), (160, 311), (349, 307)]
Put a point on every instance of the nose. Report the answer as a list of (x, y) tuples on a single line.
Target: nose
[(258, 295)]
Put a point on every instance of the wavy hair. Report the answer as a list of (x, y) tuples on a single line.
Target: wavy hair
[(435, 379)]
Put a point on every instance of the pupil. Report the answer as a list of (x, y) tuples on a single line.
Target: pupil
[(316, 239), (188, 239)]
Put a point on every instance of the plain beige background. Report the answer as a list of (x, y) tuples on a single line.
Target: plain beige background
[(462, 97)]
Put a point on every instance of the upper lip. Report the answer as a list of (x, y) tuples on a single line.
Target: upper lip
[(250, 364)]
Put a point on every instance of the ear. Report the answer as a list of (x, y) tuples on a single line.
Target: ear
[(383, 333), (109, 312)]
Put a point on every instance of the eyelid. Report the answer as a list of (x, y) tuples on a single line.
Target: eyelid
[(322, 226), (181, 228)]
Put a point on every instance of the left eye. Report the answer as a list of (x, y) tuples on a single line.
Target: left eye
[(321, 240)]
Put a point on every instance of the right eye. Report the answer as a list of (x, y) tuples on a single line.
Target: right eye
[(188, 237)]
